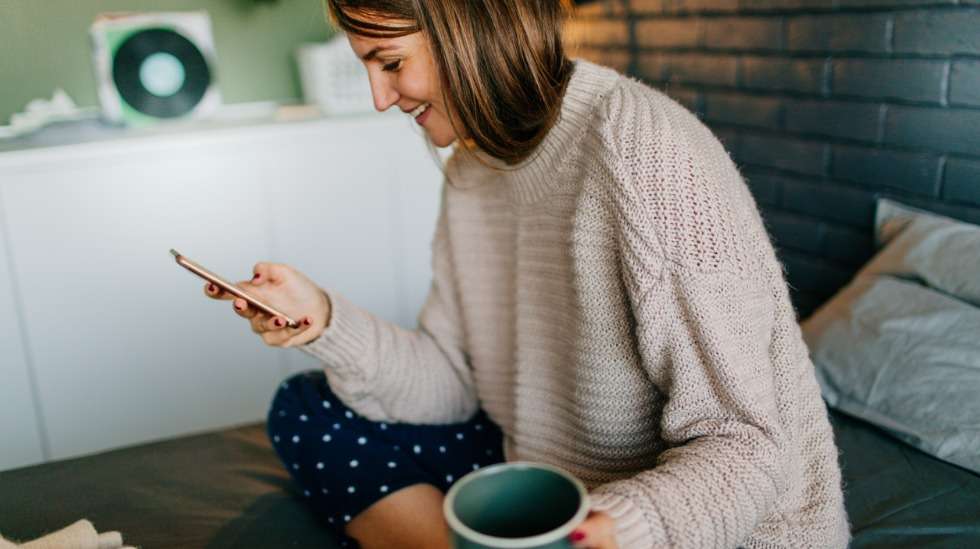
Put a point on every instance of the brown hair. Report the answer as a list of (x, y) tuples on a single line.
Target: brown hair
[(501, 62)]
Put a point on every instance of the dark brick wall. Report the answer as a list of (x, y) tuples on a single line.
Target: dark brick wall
[(825, 105)]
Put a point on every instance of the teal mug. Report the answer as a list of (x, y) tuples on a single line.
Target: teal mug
[(519, 505)]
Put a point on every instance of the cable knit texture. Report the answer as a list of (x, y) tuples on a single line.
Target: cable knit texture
[(615, 305)]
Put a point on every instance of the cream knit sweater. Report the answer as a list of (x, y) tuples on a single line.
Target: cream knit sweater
[(615, 305)]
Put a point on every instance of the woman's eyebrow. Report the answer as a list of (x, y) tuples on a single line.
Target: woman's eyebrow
[(370, 55)]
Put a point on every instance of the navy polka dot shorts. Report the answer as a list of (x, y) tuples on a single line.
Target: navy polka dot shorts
[(343, 463)]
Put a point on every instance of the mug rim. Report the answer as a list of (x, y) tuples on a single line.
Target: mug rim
[(515, 543)]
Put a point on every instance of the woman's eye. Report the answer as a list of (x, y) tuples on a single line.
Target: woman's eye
[(394, 66)]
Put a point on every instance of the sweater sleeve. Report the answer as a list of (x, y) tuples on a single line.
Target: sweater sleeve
[(704, 340), (699, 272), (388, 373)]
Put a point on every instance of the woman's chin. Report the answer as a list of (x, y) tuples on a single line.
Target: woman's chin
[(442, 140)]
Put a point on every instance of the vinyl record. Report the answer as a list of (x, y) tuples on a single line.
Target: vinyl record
[(160, 73)]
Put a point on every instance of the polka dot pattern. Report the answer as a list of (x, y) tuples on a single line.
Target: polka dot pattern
[(342, 463)]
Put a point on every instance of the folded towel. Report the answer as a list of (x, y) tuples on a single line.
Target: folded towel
[(80, 535)]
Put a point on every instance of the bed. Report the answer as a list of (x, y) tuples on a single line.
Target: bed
[(227, 489)]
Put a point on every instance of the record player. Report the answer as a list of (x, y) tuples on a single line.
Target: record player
[(153, 67)]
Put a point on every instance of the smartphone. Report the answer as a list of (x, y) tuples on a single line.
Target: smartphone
[(234, 290)]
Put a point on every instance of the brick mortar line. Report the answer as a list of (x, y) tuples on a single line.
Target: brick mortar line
[(769, 93), (818, 139), (777, 12), (801, 54)]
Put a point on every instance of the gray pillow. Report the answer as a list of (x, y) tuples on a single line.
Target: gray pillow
[(905, 355), (942, 252)]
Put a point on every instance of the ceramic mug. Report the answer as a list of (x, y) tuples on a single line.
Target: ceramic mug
[(519, 505)]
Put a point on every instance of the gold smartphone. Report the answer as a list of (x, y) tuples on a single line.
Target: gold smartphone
[(232, 289)]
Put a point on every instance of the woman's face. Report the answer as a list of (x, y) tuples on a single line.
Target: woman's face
[(403, 73)]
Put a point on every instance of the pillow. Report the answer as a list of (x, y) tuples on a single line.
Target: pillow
[(899, 346), (942, 252)]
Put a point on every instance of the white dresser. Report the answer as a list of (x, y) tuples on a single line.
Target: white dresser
[(106, 342)]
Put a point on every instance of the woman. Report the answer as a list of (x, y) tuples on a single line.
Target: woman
[(605, 299)]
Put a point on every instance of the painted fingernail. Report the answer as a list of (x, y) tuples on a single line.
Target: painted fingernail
[(278, 322), (256, 277), (212, 288), (306, 321), (577, 535)]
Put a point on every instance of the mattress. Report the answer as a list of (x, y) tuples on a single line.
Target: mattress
[(227, 489)]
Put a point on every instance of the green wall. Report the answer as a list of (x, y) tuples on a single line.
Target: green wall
[(44, 45)]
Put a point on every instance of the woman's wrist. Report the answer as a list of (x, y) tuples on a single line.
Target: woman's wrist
[(328, 306)]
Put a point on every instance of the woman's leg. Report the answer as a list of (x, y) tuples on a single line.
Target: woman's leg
[(375, 482)]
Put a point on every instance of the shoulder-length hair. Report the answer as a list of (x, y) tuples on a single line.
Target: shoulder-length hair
[(501, 62)]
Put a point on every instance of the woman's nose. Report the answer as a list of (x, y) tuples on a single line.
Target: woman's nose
[(384, 95)]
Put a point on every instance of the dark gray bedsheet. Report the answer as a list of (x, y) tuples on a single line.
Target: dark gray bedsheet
[(227, 489)]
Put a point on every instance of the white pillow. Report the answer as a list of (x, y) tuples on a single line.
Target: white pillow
[(942, 252), (899, 346)]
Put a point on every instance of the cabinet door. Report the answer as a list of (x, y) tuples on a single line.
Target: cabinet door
[(19, 425), (125, 345), (337, 215)]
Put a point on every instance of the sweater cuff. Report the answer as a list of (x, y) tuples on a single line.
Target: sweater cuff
[(634, 529), (344, 342)]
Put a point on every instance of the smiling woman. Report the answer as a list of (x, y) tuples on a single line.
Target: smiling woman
[(492, 73)]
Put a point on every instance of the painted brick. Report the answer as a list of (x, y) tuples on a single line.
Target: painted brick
[(783, 153), (964, 83), (916, 173), (765, 187), (794, 232), (855, 32), (603, 8), (905, 79), (652, 66), (618, 59), (659, 33), (768, 73), (856, 121), (938, 31), (891, 3), (643, 7), (690, 98), (743, 110), (813, 276), (730, 138), (847, 246), (783, 5), (845, 205), (700, 69), (741, 33), (599, 32), (962, 181), (950, 130), (701, 6)]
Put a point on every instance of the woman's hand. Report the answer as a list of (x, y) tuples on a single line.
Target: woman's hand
[(287, 290), (598, 531)]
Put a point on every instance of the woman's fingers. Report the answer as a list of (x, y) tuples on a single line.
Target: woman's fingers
[(284, 336), (264, 272), (242, 309), (598, 531), (213, 291)]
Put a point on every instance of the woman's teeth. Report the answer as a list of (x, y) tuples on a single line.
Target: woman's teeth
[(419, 110)]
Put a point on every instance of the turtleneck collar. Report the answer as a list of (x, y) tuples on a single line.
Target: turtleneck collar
[(535, 177)]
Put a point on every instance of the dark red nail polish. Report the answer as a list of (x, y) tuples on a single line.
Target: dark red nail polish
[(306, 321), (212, 288), (577, 535), (256, 277), (278, 322)]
